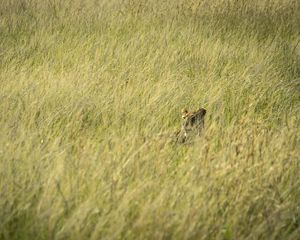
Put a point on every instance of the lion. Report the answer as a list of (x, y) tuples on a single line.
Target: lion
[(193, 123)]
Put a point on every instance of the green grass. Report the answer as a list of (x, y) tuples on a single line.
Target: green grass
[(90, 92)]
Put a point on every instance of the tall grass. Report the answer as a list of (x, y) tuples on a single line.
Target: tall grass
[(90, 92)]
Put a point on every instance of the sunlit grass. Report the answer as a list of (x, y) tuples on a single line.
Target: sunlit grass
[(91, 93)]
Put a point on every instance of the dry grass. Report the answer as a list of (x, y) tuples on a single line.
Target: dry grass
[(90, 91)]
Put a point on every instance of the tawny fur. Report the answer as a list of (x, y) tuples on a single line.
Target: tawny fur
[(193, 122)]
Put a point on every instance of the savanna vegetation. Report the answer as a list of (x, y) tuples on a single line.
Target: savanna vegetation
[(91, 91)]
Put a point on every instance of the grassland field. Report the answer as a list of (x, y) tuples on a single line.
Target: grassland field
[(91, 91)]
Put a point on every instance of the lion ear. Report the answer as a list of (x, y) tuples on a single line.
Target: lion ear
[(184, 110), (203, 110)]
